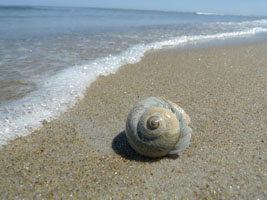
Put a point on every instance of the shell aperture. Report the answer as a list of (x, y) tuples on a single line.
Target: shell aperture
[(156, 127)]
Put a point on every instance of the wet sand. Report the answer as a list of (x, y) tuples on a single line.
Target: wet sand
[(84, 153)]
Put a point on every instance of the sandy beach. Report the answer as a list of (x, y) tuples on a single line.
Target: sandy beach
[(84, 153)]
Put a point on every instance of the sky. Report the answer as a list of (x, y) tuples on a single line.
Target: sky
[(245, 7)]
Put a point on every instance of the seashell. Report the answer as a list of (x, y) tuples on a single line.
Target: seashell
[(156, 127)]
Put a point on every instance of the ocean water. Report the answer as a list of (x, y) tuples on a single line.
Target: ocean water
[(50, 55)]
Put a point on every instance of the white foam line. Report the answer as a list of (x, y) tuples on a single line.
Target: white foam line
[(63, 90), (246, 23), (207, 13)]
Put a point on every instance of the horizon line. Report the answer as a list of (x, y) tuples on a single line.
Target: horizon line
[(136, 9)]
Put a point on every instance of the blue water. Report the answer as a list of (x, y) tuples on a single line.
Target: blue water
[(25, 22), (49, 55)]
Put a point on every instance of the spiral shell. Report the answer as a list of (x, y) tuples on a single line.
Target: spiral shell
[(156, 127)]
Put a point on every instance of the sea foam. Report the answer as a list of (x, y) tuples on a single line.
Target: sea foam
[(64, 89)]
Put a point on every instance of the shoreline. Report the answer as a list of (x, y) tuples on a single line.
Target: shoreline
[(84, 152), (39, 108)]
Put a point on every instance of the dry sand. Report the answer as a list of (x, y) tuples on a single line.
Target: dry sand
[(84, 153)]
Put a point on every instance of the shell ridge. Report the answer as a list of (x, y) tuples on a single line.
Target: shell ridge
[(142, 137), (182, 143)]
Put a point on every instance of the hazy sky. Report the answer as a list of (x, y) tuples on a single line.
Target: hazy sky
[(255, 7)]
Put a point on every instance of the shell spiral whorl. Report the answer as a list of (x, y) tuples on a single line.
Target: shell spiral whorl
[(156, 127), (153, 123)]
